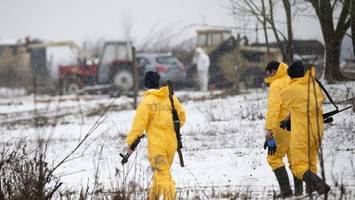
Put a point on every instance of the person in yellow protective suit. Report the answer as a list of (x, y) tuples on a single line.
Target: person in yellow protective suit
[(277, 79), (305, 98), (154, 116)]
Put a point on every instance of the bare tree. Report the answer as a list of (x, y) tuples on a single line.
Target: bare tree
[(333, 35), (353, 24), (287, 7), (263, 9), (264, 13)]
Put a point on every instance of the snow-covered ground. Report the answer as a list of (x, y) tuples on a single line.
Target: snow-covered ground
[(223, 139)]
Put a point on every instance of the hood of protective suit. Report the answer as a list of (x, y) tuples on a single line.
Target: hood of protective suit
[(305, 79), (199, 50), (281, 72), (162, 92)]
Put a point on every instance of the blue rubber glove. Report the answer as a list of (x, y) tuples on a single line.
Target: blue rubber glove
[(270, 143)]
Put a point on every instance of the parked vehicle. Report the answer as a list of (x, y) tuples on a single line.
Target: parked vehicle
[(114, 70), (167, 65)]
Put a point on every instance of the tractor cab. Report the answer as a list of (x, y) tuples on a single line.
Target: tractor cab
[(114, 70), (115, 65), (209, 39)]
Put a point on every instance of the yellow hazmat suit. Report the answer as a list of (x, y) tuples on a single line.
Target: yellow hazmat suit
[(154, 117), (305, 100), (276, 112)]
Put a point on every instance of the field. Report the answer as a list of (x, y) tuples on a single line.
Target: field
[(222, 138)]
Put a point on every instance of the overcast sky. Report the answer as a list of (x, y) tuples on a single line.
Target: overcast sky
[(81, 20), (86, 19), (92, 19)]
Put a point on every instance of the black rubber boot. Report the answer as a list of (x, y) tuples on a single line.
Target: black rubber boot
[(310, 188), (284, 182), (316, 182), (298, 185)]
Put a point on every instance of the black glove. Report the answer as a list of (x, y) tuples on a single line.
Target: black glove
[(270, 143), (286, 124), (125, 155), (124, 158)]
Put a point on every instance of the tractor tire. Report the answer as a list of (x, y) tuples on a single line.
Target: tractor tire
[(123, 79), (70, 86)]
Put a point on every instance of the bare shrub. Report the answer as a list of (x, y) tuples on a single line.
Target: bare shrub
[(215, 113), (252, 112), (26, 176)]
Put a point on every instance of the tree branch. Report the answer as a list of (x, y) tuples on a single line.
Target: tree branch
[(344, 22), (255, 6), (315, 5), (353, 24), (264, 28), (334, 4), (274, 29), (272, 23), (289, 40)]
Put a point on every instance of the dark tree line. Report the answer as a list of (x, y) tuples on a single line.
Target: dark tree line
[(333, 32), (353, 24), (335, 18)]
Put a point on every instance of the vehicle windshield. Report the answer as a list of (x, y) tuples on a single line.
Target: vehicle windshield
[(115, 52)]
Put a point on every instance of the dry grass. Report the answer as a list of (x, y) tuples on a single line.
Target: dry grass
[(26, 175)]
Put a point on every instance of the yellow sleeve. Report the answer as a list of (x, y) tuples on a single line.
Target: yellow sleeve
[(180, 110), (288, 96), (140, 121), (273, 108)]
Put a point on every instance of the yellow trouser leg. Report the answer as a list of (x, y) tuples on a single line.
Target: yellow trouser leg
[(163, 185), (301, 163), (304, 158), (314, 160), (282, 139)]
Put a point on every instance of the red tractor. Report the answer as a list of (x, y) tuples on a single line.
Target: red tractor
[(113, 72)]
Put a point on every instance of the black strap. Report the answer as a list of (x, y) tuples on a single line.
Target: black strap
[(326, 93), (176, 122)]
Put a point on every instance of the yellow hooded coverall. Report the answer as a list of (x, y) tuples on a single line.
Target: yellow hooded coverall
[(155, 118), (305, 100), (276, 112)]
